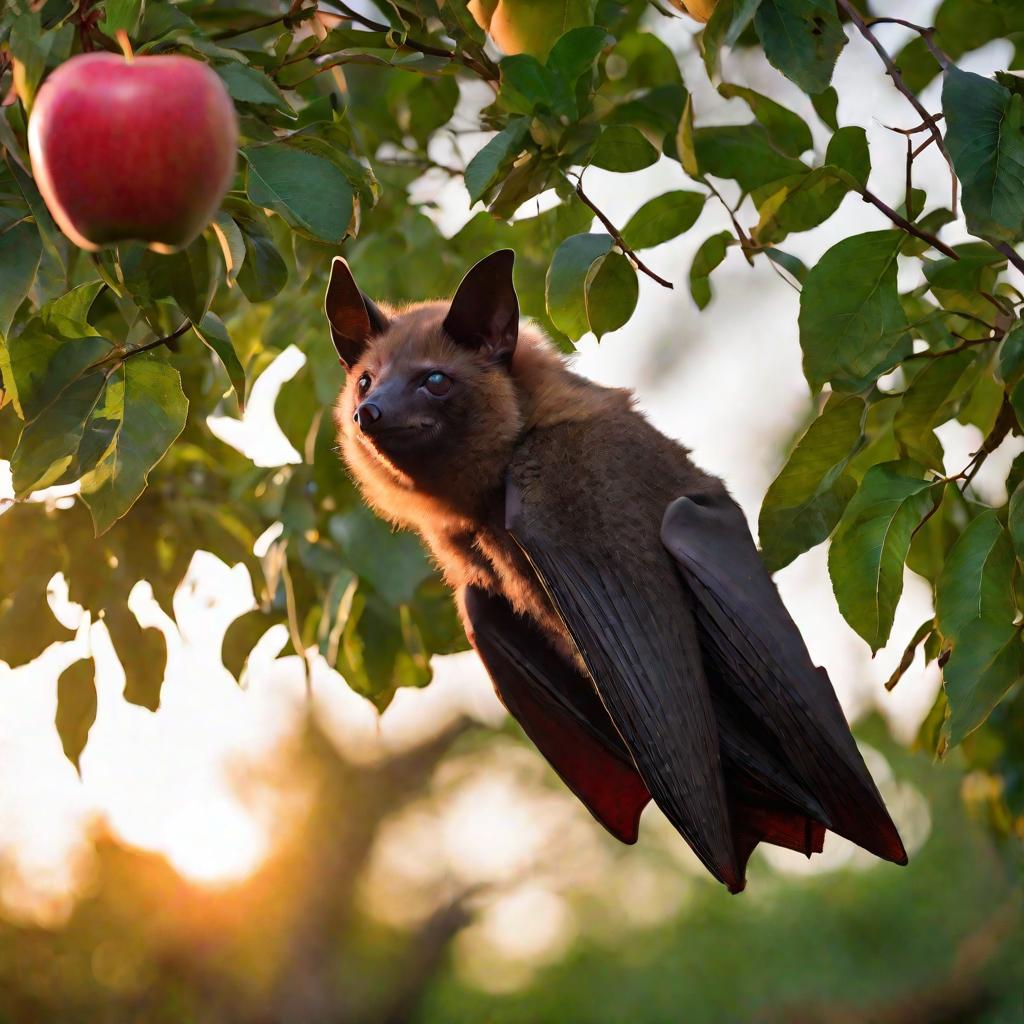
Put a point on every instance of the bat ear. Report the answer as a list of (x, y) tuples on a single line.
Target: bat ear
[(354, 318), (484, 315)]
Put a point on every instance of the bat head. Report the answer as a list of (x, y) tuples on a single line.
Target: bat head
[(428, 393)]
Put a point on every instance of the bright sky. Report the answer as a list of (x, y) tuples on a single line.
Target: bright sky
[(726, 382)]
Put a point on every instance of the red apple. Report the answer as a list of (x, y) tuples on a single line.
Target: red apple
[(140, 148)]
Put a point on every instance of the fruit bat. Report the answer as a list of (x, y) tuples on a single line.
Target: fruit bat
[(610, 587)]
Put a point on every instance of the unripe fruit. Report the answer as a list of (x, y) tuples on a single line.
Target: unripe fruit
[(526, 26), (140, 148), (699, 9)]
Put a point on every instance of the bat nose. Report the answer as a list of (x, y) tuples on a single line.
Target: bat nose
[(367, 415)]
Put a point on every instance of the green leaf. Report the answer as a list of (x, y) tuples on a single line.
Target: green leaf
[(986, 145), (527, 86), (686, 145), (66, 439), (566, 286), (807, 498), (263, 273), (870, 547), (1015, 513), (27, 625), (147, 406), (802, 38), (185, 276), (20, 251), (1011, 367), (663, 218), (393, 563), (247, 84), (309, 192), (977, 579), (35, 50), (120, 16), (484, 168), (825, 104), (40, 361), (743, 152), (73, 305), (232, 245), (788, 131), (622, 148), (793, 265), (142, 653), (799, 204), (242, 636), (848, 150), (574, 54), (215, 336), (929, 401), (707, 258), (611, 292), (76, 708), (852, 326), (982, 668), (724, 27)]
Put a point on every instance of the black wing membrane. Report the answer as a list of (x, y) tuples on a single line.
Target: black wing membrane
[(631, 618), (778, 713), (558, 709)]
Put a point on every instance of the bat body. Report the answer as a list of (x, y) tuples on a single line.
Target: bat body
[(610, 586)]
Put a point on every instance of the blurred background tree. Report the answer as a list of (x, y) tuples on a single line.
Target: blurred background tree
[(410, 140)]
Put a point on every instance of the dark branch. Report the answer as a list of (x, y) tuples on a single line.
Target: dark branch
[(897, 80), (902, 222), (616, 234), (291, 16), (487, 71), (157, 342), (1011, 254)]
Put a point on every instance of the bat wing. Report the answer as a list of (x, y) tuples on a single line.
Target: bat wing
[(558, 709), (629, 614), (777, 709)]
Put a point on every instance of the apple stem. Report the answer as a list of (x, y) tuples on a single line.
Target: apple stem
[(126, 45)]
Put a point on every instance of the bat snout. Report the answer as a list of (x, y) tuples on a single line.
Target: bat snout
[(368, 416)]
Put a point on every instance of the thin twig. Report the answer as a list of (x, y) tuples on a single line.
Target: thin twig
[(486, 71), (1011, 254), (924, 145), (1005, 422), (902, 222), (917, 129), (897, 80), (157, 342), (930, 353), (909, 201), (927, 34), (746, 243), (291, 15), (617, 236)]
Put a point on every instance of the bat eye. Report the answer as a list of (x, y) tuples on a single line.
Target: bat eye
[(364, 383), (437, 383)]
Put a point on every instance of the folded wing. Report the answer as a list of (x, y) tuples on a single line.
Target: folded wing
[(558, 709), (631, 617), (774, 703)]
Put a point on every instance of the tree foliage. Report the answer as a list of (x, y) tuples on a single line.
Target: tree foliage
[(112, 364)]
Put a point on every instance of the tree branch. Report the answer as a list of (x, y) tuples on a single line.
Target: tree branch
[(1011, 254), (897, 80), (295, 16), (902, 222), (487, 71), (617, 235), (927, 34)]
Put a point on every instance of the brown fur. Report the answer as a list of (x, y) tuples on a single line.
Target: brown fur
[(534, 413)]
